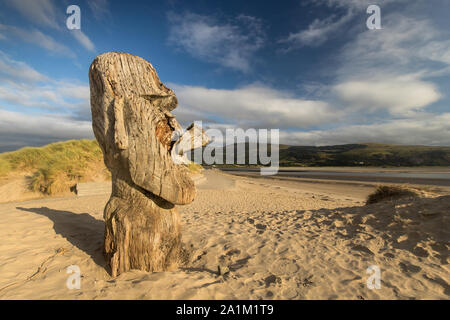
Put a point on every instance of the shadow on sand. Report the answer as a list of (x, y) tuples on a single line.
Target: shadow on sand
[(82, 230)]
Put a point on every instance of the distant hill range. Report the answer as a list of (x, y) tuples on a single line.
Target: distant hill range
[(366, 154), (79, 158)]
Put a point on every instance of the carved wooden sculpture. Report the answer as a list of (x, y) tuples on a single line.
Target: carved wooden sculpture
[(132, 122)]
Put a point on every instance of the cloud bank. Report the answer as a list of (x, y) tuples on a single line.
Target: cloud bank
[(231, 45)]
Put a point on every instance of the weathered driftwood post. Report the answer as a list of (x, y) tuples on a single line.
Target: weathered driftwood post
[(132, 122)]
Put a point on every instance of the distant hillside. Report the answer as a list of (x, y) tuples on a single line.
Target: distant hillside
[(368, 154)]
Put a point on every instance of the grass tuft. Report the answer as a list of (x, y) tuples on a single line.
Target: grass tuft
[(194, 168), (386, 192)]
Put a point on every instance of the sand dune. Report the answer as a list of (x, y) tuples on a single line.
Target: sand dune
[(276, 239), (16, 188)]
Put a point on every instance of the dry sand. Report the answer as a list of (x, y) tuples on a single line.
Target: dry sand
[(278, 239), (16, 187)]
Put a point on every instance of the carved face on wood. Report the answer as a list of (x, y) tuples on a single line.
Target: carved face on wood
[(134, 127)]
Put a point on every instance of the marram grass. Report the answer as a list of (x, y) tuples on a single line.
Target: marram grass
[(57, 167)]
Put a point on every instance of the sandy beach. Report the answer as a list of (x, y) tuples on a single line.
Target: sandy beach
[(273, 239)]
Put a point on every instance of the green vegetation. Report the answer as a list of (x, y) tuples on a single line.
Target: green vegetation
[(56, 167), (367, 155), (5, 167), (383, 193), (194, 168)]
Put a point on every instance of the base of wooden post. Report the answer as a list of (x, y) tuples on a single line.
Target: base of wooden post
[(141, 234)]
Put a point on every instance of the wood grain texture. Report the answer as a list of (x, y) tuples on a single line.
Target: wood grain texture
[(132, 121)]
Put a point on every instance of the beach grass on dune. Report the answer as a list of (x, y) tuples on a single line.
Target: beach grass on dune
[(387, 192), (194, 168), (57, 167), (54, 167)]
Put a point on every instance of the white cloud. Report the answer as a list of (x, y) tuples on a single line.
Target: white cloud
[(253, 106), (404, 46), (100, 8), (230, 45), (436, 51), (38, 38), (390, 69), (385, 75), (24, 87), (42, 12), (83, 40), (27, 91), (318, 31), (73, 90), (384, 70), (22, 129), (356, 4), (49, 96), (423, 130), (18, 71), (321, 30), (399, 96)]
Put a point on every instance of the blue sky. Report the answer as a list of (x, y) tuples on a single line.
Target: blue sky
[(309, 68)]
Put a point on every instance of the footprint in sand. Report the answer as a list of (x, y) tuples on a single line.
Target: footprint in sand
[(284, 267), (306, 282), (420, 252), (260, 226), (289, 293), (233, 252), (272, 279), (362, 248), (409, 268)]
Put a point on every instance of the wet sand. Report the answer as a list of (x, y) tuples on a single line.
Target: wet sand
[(416, 176)]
